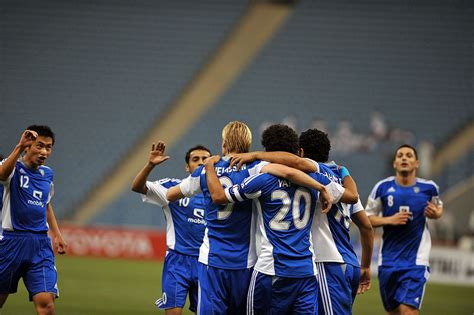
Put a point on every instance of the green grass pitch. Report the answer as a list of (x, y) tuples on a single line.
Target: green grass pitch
[(90, 286)]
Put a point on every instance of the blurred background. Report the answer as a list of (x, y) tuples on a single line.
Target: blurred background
[(110, 77)]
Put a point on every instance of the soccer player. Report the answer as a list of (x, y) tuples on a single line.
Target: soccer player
[(283, 280), (401, 204), (184, 229), (25, 248), (340, 276), (227, 253)]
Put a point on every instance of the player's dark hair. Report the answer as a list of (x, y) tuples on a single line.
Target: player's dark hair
[(315, 144), (406, 146), (280, 137), (42, 130), (197, 147)]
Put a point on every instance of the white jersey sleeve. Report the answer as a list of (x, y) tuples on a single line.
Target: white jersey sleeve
[(315, 164), (336, 191), (374, 203), (437, 201), (257, 169), (156, 194), (357, 207), (11, 175), (51, 193), (191, 186)]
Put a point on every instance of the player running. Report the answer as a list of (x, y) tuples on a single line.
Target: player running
[(401, 204)]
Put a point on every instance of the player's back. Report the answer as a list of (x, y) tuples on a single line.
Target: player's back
[(408, 244), (331, 231), (229, 237), (285, 213)]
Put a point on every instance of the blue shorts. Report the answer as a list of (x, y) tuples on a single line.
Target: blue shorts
[(29, 256), (402, 286), (222, 291), (281, 295), (338, 284), (180, 276)]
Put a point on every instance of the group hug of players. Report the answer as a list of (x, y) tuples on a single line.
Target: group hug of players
[(248, 232)]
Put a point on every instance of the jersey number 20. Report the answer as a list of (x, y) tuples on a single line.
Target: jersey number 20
[(278, 223)]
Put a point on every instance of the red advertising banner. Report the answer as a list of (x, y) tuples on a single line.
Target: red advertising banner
[(114, 242)]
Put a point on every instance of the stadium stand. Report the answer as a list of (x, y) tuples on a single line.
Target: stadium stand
[(340, 62), (100, 73), (103, 72)]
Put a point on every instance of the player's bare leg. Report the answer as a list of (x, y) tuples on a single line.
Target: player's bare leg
[(407, 310), (174, 311), (404, 309), (3, 298), (44, 303)]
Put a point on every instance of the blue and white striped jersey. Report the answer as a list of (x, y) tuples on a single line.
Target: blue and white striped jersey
[(26, 195), (409, 244), (184, 218), (285, 213), (229, 237), (331, 231)]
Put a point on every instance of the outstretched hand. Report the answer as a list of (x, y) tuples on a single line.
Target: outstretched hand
[(241, 158), (157, 153), (27, 138)]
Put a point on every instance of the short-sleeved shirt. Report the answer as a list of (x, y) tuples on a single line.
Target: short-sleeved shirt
[(409, 244), (184, 218), (229, 236), (331, 231), (285, 213), (26, 195)]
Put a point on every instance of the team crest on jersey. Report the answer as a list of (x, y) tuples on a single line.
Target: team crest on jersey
[(416, 189)]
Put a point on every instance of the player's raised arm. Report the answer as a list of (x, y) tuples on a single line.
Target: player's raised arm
[(26, 140), (156, 157), (213, 184)]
